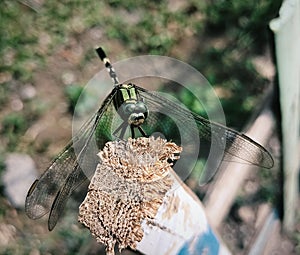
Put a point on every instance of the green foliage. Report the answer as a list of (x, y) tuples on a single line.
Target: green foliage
[(15, 35), (3, 95), (73, 93), (155, 31), (14, 123), (75, 240), (13, 126), (269, 185), (242, 19), (243, 30)]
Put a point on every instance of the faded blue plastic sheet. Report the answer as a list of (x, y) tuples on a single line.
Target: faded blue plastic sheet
[(204, 243)]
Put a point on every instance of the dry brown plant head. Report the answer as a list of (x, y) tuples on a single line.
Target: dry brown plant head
[(127, 188)]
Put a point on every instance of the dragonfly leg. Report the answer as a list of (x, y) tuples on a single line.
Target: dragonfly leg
[(123, 126), (132, 131), (142, 132)]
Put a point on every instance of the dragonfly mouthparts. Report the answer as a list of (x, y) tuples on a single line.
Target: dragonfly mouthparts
[(136, 119)]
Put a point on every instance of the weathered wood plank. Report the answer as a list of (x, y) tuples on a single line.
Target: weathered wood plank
[(287, 41), (180, 227)]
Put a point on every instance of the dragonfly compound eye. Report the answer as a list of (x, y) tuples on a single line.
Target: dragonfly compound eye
[(127, 109), (141, 108)]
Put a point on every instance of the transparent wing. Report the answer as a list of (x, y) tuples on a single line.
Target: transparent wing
[(65, 174), (225, 140), (43, 191)]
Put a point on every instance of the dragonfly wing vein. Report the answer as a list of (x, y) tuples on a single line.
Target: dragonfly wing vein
[(233, 143), (45, 191)]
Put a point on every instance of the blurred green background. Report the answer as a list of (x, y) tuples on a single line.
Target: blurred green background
[(47, 56)]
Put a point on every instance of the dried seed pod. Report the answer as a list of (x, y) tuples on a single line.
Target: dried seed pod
[(127, 188)]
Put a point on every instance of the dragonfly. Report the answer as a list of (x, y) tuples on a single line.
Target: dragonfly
[(138, 112)]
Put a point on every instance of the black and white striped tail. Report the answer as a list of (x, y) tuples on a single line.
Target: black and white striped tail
[(108, 66)]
